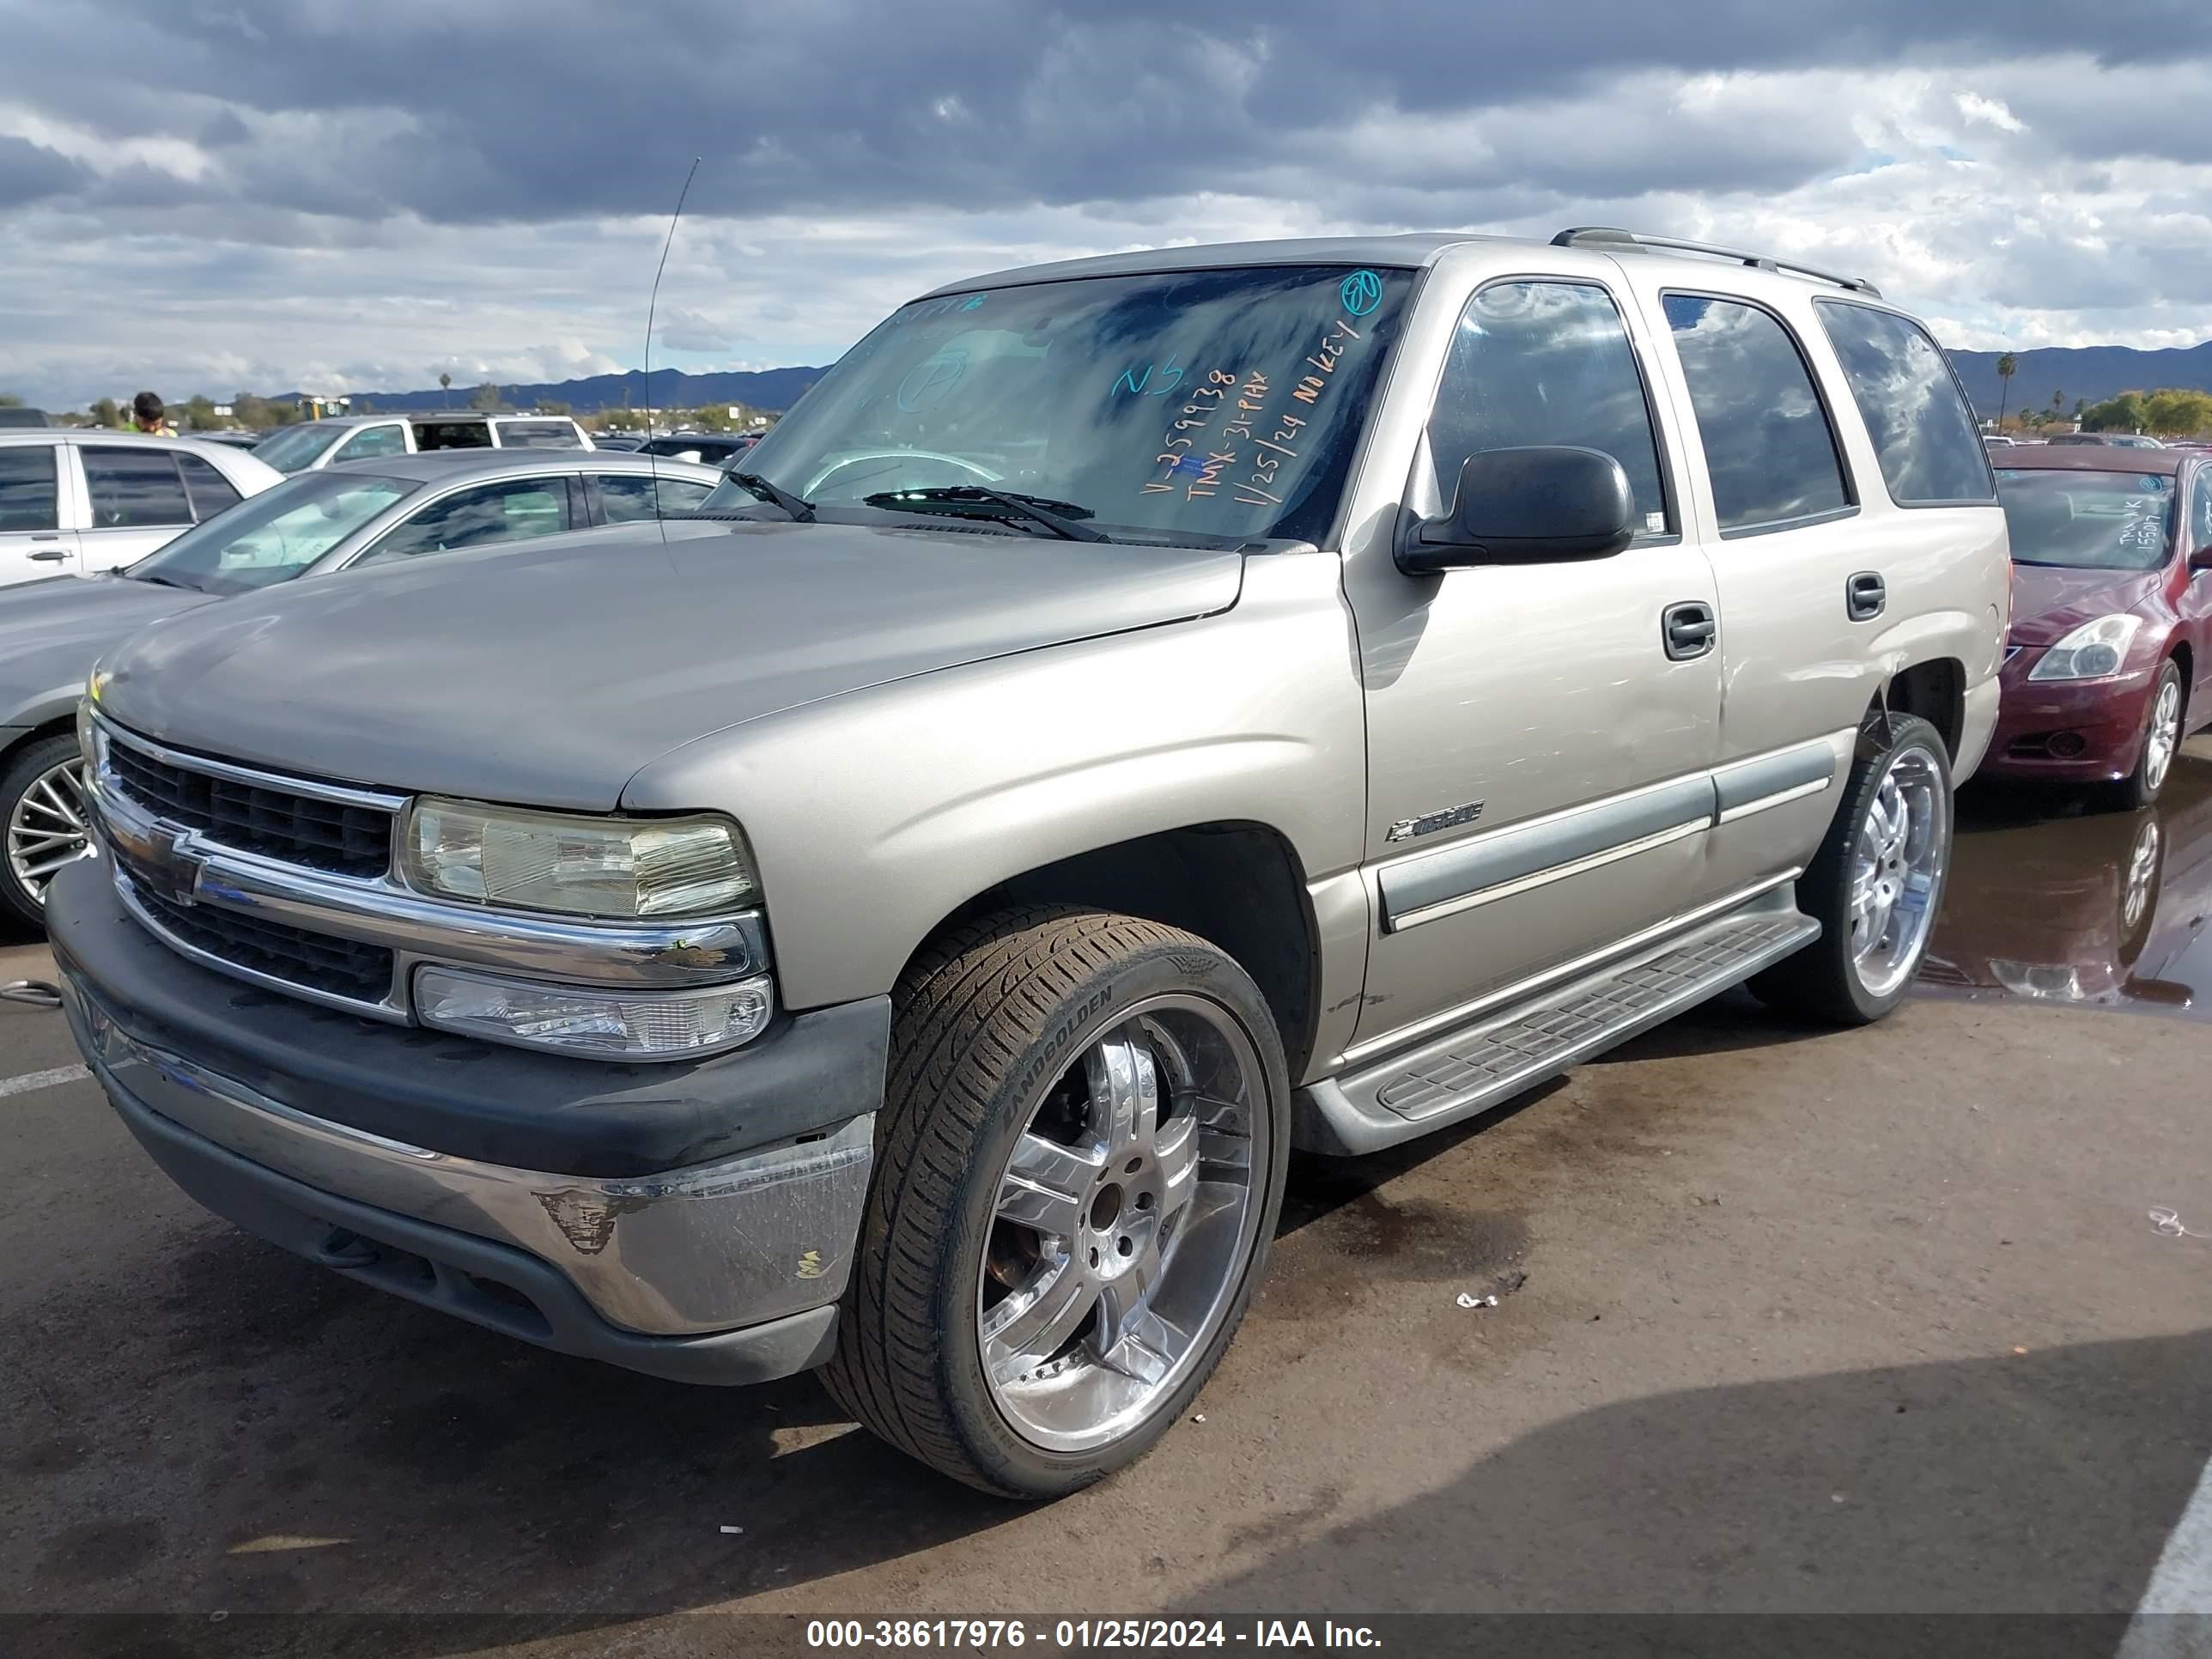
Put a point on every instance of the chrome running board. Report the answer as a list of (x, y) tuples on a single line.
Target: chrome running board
[(1456, 1073)]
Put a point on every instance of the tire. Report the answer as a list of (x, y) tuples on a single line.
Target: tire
[(43, 772), (2164, 724), (1830, 979), (1010, 1034)]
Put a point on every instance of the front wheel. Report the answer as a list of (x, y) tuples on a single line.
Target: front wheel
[(1080, 1160), (42, 804), (1875, 885), (2161, 741)]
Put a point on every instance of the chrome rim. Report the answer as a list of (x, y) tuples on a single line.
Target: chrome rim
[(2143, 876), (1126, 1217), (1903, 841), (47, 829), (2165, 734)]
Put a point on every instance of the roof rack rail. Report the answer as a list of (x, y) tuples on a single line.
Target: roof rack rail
[(1602, 236)]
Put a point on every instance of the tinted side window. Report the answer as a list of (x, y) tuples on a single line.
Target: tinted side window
[(1923, 432), (538, 434), (1769, 448), (134, 488), (453, 434), (510, 511), (630, 497), (1545, 364), (372, 440), (211, 491), (27, 488), (2200, 517)]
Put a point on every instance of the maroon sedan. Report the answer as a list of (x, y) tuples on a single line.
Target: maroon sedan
[(2110, 661)]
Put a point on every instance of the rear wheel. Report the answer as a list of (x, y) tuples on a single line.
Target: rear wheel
[(1080, 1162), (2161, 741), (1874, 885), (42, 804)]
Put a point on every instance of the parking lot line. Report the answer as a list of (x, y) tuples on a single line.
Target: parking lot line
[(2181, 1584), (30, 1080)]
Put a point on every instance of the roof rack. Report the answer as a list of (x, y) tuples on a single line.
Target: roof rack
[(1602, 236)]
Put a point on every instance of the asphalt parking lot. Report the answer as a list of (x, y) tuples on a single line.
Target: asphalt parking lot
[(1811, 1320)]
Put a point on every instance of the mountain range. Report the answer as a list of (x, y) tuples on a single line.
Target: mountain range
[(2090, 374), (775, 389)]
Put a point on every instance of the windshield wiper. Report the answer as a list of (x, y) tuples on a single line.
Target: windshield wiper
[(165, 581), (980, 502), (801, 509)]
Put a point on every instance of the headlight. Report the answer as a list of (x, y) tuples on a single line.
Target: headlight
[(602, 1025), (585, 867), (2090, 652)]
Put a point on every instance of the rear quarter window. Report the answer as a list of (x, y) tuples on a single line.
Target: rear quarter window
[(1923, 433), (453, 434), (538, 434)]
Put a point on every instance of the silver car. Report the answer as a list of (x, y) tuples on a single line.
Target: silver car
[(1135, 715), (314, 524)]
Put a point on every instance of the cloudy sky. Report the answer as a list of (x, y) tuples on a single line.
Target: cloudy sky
[(212, 194)]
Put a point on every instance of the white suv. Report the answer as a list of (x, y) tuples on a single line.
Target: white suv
[(77, 500), (370, 437)]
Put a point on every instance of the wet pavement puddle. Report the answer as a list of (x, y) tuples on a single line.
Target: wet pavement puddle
[(2055, 898)]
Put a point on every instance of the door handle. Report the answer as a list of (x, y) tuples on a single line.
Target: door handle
[(1688, 628), (49, 555), (1864, 596)]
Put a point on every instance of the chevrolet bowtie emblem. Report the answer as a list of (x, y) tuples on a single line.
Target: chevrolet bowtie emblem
[(165, 865)]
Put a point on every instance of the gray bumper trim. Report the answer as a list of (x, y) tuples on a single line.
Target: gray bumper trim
[(472, 1279), (753, 1237)]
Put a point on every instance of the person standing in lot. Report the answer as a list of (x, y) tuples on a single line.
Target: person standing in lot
[(147, 416)]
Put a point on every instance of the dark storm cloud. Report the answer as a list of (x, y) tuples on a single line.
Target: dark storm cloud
[(30, 173), (586, 107)]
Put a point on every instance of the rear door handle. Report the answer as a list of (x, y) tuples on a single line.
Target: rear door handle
[(1864, 596), (1688, 629), (50, 556)]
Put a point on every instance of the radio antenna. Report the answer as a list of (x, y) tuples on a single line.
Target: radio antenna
[(652, 307)]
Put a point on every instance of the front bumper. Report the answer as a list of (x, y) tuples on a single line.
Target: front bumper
[(2107, 717), (723, 1270)]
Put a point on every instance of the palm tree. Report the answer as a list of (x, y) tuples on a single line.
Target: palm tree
[(2008, 366), (446, 385)]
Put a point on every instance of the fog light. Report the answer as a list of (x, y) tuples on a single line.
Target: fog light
[(599, 1025), (2067, 745)]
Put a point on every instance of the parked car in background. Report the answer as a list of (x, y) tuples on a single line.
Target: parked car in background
[(706, 448), (313, 524), (2108, 439), (18, 414), (2109, 658), (241, 439), (370, 437), (1997, 441), (78, 499), (617, 440), (1160, 707)]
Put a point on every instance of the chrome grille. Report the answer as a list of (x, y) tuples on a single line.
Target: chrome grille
[(319, 962), (273, 823)]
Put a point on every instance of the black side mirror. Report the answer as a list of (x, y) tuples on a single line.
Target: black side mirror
[(1528, 505)]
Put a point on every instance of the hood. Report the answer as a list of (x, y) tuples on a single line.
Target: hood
[(52, 632), (547, 674), (2050, 601)]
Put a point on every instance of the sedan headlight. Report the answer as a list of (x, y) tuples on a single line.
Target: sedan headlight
[(601, 1024), (2091, 652), (630, 868)]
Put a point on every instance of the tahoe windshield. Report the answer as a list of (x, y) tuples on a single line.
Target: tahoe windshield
[(1205, 403), (272, 536), (2088, 520), (292, 448)]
